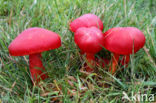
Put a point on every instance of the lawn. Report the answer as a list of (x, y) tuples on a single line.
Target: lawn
[(67, 82)]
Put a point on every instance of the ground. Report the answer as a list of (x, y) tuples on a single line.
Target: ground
[(67, 81)]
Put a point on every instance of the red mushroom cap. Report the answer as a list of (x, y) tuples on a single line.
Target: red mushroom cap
[(87, 20), (34, 40), (89, 39), (122, 40)]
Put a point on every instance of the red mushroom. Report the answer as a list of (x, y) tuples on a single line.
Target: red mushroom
[(89, 40), (123, 41), (87, 20), (32, 42)]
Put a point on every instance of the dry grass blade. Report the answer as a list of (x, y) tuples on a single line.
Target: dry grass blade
[(84, 72), (13, 85), (71, 78), (58, 88), (10, 18), (149, 56), (2, 64)]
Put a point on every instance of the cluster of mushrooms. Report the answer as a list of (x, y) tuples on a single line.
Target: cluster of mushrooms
[(88, 36)]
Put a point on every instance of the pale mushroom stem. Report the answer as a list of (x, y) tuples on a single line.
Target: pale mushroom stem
[(36, 67), (115, 59), (125, 60), (90, 62)]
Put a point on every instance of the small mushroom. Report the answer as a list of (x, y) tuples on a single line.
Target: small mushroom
[(86, 20), (89, 40), (123, 41), (33, 42)]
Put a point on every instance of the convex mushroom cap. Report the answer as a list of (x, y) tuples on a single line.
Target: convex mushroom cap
[(89, 39), (86, 20), (124, 40), (34, 40)]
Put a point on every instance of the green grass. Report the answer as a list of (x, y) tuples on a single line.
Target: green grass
[(63, 64)]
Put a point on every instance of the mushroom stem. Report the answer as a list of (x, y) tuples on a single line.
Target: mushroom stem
[(82, 52), (36, 67), (115, 59), (125, 60), (90, 62)]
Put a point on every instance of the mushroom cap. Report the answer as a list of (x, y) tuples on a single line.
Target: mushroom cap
[(89, 39), (122, 40), (87, 20), (34, 40)]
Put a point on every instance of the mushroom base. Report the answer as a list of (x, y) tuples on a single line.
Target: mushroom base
[(115, 59), (90, 62), (37, 68)]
